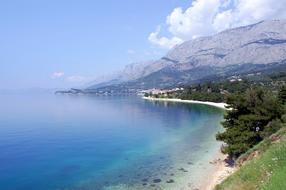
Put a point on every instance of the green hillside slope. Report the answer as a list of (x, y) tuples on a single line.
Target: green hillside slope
[(264, 166)]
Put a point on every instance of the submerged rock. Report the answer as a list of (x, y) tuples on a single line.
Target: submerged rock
[(157, 180), (183, 170), (145, 179), (170, 181)]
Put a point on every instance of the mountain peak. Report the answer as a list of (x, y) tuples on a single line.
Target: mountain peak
[(246, 44), (243, 48)]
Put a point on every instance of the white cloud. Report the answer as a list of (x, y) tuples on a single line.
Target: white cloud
[(163, 41), (248, 12), (205, 17), (195, 21), (56, 75)]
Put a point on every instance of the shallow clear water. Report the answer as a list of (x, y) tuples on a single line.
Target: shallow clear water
[(85, 142)]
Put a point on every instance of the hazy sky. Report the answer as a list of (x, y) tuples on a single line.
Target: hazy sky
[(60, 43), (65, 43)]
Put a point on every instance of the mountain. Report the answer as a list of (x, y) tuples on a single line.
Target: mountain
[(131, 72), (259, 47), (259, 43)]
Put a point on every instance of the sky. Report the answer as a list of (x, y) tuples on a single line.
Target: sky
[(68, 43)]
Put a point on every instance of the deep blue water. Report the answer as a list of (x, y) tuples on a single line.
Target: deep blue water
[(83, 142)]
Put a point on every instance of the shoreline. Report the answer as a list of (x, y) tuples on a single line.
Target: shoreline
[(214, 104), (219, 170)]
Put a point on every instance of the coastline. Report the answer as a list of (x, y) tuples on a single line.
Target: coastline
[(219, 170), (214, 104)]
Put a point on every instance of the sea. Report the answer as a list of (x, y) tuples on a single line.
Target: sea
[(85, 142)]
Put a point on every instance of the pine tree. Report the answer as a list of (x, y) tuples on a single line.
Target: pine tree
[(247, 121)]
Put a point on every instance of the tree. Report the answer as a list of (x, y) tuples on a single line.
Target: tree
[(282, 95), (247, 121)]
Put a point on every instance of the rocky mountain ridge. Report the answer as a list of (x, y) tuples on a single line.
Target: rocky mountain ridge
[(258, 47)]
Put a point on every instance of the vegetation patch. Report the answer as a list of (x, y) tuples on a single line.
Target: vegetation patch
[(265, 171)]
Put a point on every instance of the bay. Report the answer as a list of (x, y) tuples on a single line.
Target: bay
[(52, 142)]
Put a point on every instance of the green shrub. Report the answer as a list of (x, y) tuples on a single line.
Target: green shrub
[(283, 118), (271, 128)]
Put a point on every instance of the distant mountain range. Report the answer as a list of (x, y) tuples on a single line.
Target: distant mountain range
[(259, 47), (131, 72)]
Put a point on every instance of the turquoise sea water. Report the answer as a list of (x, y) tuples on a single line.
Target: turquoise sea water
[(52, 142)]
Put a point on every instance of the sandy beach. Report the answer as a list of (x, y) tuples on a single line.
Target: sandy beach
[(220, 171), (218, 105)]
